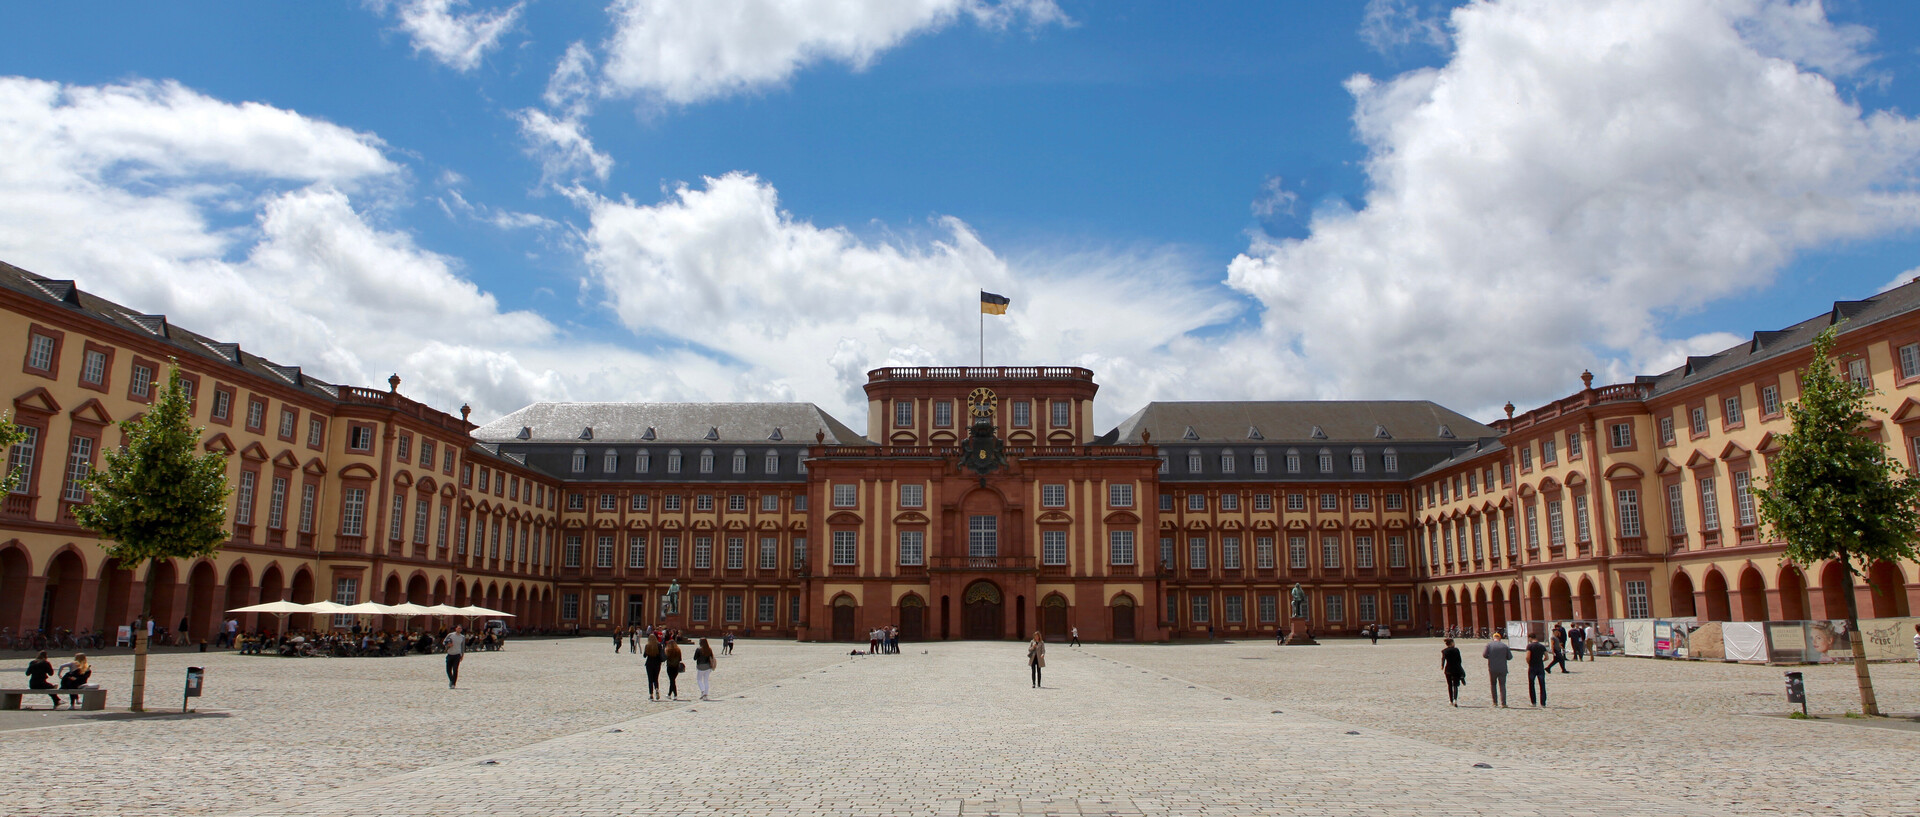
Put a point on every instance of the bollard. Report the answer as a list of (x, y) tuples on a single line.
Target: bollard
[(1797, 691), (195, 676)]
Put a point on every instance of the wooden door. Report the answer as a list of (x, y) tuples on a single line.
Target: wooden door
[(843, 623), (1123, 622)]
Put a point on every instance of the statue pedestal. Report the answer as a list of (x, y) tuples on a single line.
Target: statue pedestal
[(1298, 635)]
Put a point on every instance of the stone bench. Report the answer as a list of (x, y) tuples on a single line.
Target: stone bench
[(90, 699)]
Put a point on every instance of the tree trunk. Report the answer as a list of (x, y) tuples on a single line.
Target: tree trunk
[(1868, 705)]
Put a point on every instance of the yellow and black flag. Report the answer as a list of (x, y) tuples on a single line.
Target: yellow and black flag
[(991, 304)]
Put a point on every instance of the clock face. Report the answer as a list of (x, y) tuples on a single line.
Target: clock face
[(980, 402)]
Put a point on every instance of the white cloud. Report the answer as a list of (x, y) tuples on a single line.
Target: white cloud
[(687, 52), (812, 308), (1572, 175), (458, 41), (1389, 26), (562, 147)]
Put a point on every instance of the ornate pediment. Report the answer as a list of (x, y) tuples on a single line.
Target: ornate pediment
[(905, 518), (1121, 518), (1054, 518)]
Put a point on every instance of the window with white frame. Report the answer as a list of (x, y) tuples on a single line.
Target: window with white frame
[(1234, 606), (569, 550), (1548, 453), (844, 547), (277, 504), (766, 608), (1269, 608), (1709, 505), (983, 536), (1390, 461), (1296, 502), (1699, 417), (1583, 530), (1329, 501), (739, 461), (1335, 607), (1363, 502), (80, 465), (1533, 528), (702, 552), (637, 502), (913, 548), (1743, 498), (1396, 550), (309, 498), (1326, 461), (1062, 413), (1263, 502), (93, 367), (1357, 461), (1637, 600), (1627, 505), (1858, 372), (903, 413), (1053, 496), (353, 512), (773, 463), (609, 502), (736, 503), (603, 551), (1226, 461), (706, 461), (1201, 606), (1395, 501), (769, 553), (1022, 413), (1365, 604), (1363, 551), (1259, 462), (1770, 398), (1197, 552), (1330, 552), (1526, 459), (422, 519), (673, 461), (1120, 495), (1731, 411), (1556, 524), (1166, 550), (1666, 430), (1193, 462), (1293, 461), (1230, 553), (670, 502), (844, 496), (1513, 546), (701, 605), (1120, 547), (1053, 547), (670, 552), (1196, 501), (732, 608), (1263, 552), (736, 553), (1402, 607), (1165, 466), (943, 413), (579, 461), (1229, 502), (769, 503), (1297, 552), (636, 551), (1573, 444), (142, 383)]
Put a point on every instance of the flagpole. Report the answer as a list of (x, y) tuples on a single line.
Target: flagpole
[(983, 338)]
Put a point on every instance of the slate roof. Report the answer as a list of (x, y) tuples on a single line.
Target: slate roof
[(1237, 422), (1478, 448), (157, 328), (691, 423), (1768, 344)]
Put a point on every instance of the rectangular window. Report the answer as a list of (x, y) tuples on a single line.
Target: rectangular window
[(1269, 609), (730, 609), (1582, 529), (345, 591), (1731, 415), (1053, 547), (913, 548), (609, 502), (1259, 462), (1166, 502), (1022, 413), (983, 536), (308, 499), (440, 535), (670, 552), (1326, 462), (1666, 430), (569, 549), (1329, 501), (912, 495), (1235, 607), (1556, 524), (1296, 502), (1709, 506), (1120, 547), (360, 438), (766, 608), (844, 496), (1363, 551), (1293, 462), (1366, 604), (670, 502), (422, 518), (702, 552), (1199, 604), (1119, 496), (40, 352), (702, 606), (736, 553), (1402, 607), (1197, 552), (943, 413), (1743, 498), (1230, 553), (1526, 458), (1053, 496), (1699, 417), (222, 404), (903, 413), (1166, 550), (80, 464), (1226, 462), (1263, 552), (141, 386), (1196, 502), (93, 368), (256, 414), (1770, 395), (493, 545), (1229, 502), (1062, 413), (1573, 444), (1336, 608), (1297, 552), (1548, 454), (1637, 606), (1363, 502), (603, 551), (843, 547), (1858, 373), (1263, 502), (277, 504), (799, 552), (1330, 552), (703, 502), (1397, 548), (637, 502), (1358, 462), (1396, 501), (637, 551), (353, 512), (800, 503), (736, 503), (1627, 503), (1909, 361), (570, 606), (1474, 526), (396, 525), (1622, 435)]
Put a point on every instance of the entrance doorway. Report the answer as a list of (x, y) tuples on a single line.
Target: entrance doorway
[(913, 618), (843, 618), (1053, 617), (1122, 611), (982, 612)]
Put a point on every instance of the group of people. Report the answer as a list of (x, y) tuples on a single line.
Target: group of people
[(73, 675), (1541, 659), (883, 640), (662, 652), (356, 643)]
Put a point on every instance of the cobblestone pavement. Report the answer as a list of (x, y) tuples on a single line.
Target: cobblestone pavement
[(564, 728), (1630, 726)]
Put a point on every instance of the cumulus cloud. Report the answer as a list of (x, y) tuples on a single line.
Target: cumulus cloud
[(687, 52), (455, 40), (1574, 174), (562, 146), (722, 266)]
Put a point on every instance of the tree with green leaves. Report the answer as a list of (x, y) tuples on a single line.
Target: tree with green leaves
[(1834, 493), (157, 498), (10, 436)]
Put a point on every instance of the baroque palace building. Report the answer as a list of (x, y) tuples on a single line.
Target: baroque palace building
[(981, 502)]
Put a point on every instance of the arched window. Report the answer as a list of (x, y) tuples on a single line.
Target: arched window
[(1259, 460), (773, 461), (612, 462), (673, 461), (1359, 461), (1226, 461), (579, 460), (1326, 460), (1390, 460), (706, 461), (740, 461), (1293, 460), (642, 461), (1193, 462)]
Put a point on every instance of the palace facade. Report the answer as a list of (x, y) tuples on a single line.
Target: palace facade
[(980, 502)]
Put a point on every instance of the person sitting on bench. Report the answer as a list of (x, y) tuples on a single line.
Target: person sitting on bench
[(74, 675)]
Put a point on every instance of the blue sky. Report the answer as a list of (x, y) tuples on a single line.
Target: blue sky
[(747, 199)]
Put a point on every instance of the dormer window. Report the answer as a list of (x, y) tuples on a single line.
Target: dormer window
[(740, 461), (525, 434), (706, 461), (776, 436), (1259, 461), (611, 462), (1253, 433), (713, 433), (649, 435), (1190, 434), (1318, 434), (1380, 433), (1193, 462), (1226, 462), (1358, 461), (673, 461), (1293, 460), (1446, 433), (586, 433), (1326, 460), (1390, 461), (642, 461), (773, 461), (579, 461)]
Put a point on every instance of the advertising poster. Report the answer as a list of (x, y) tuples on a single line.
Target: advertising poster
[(1888, 639), (1516, 632), (1636, 636), (1829, 638), (1663, 639), (1790, 641)]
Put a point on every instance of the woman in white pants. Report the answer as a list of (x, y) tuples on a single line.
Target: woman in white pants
[(703, 664)]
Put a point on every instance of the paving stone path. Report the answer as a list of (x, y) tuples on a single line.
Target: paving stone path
[(955, 729)]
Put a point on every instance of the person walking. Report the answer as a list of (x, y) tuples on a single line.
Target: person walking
[(38, 671), (1036, 656), (1593, 641), (1578, 637), (1373, 633), (703, 663), (1455, 672), (1073, 637), (656, 655), (1536, 669), (456, 647), (1498, 654), (726, 643), (74, 675), (619, 638), (1559, 656), (674, 667), (1916, 642)]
